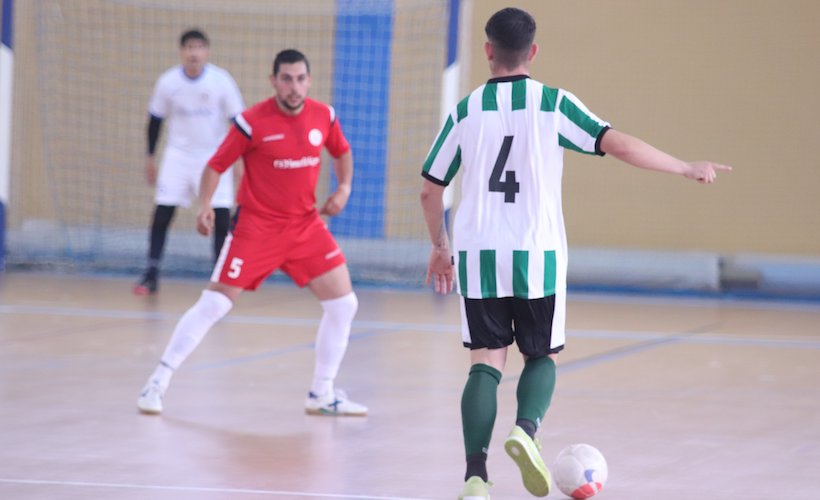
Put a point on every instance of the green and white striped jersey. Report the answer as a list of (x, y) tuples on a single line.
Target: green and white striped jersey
[(508, 137)]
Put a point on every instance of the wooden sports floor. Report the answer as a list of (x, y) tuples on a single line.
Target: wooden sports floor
[(687, 398)]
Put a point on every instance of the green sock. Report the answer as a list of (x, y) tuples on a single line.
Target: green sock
[(535, 388), (478, 408)]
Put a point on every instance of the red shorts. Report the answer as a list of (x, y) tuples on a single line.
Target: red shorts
[(304, 249)]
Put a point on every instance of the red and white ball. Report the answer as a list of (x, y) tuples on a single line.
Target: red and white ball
[(580, 471)]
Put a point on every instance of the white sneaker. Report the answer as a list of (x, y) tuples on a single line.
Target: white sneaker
[(150, 400), (333, 404)]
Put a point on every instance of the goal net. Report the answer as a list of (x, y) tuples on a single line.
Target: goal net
[(79, 199)]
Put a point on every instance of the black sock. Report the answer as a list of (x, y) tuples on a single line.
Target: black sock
[(528, 426), (477, 466)]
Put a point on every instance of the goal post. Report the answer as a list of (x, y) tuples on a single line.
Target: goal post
[(451, 81), (80, 200), (6, 81)]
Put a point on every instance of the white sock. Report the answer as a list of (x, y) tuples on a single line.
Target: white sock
[(161, 376), (331, 340), (189, 332)]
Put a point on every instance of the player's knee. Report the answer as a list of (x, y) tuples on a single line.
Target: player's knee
[(213, 305), (343, 308)]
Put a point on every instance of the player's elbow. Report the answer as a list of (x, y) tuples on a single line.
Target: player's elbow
[(429, 194)]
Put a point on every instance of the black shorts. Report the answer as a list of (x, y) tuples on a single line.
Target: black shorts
[(497, 323)]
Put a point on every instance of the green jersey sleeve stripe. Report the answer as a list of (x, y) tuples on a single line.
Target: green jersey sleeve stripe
[(521, 287), (461, 109), (549, 273), (577, 116), (487, 272), (548, 98), (454, 166), (437, 146), (519, 94), (566, 143), (488, 99)]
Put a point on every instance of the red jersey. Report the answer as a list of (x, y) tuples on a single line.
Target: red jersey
[(282, 156)]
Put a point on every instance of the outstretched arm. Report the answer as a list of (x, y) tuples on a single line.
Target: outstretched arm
[(439, 267), (636, 152), (343, 167)]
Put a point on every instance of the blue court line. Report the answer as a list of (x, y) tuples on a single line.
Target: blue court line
[(629, 350), (656, 340), (613, 354), (253, 357), (235, 319), (249, 491), (382, 327), (307, 346), (651, 340), (685, 339), (697, 299), (810, 295)]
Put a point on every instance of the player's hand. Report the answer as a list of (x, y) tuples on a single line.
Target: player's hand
[(704, 172), (205, 221), (440, 270), (151, 171), (336, 202)]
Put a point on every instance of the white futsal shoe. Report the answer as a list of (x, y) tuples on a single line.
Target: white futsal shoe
[(150, 400), (334, 404)]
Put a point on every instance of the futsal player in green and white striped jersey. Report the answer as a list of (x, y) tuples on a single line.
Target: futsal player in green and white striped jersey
[(509, 253)]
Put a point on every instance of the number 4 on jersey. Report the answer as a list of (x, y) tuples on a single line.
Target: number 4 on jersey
[(509, 186)]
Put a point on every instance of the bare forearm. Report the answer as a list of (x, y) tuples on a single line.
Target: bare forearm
[(343, 167), (440, 265), (638, 153), (207, 186), (433, 207)]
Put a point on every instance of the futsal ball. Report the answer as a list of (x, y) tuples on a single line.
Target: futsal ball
[(580, 471)]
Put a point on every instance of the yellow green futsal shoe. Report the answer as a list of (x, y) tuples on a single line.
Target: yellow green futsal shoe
[(475, 489), (526, 453)]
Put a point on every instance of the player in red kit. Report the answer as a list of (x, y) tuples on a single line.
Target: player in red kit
[(276, 226)]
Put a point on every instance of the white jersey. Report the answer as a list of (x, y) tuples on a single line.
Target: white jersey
[(508, 137), (197, 110)]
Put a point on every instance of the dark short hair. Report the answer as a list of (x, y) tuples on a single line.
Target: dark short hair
[(289, 56), (511, 31), (193, 35)]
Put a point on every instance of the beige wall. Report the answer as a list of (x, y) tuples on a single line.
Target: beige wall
[(27, 157), (735, 81), (85, 70), (730, 80), (418, 55)]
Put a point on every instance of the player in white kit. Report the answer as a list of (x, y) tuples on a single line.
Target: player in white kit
[(508, 138), (197, 100)]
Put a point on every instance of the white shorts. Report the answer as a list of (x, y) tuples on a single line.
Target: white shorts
[(179, 177)]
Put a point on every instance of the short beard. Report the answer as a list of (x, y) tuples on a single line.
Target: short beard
[(287, 106)]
